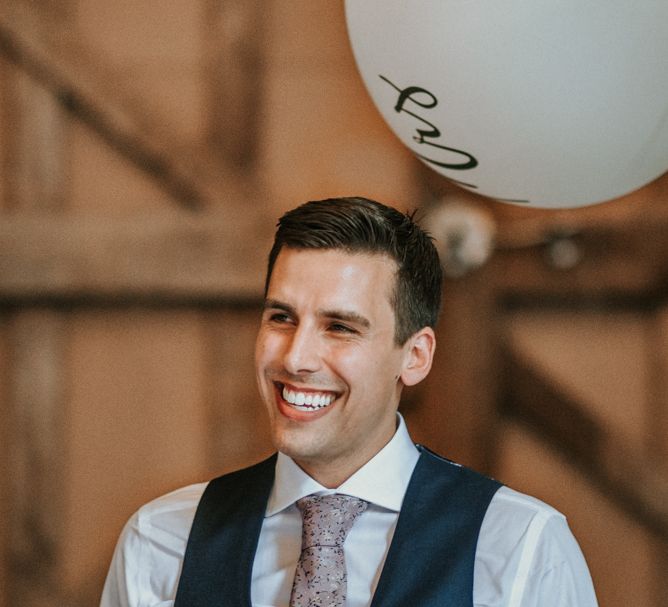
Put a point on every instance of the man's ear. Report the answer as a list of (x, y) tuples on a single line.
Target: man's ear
[(419, 356)]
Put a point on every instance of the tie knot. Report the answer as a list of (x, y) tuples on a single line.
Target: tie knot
[(327, 519)]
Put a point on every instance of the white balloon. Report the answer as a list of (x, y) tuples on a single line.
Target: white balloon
[(548, 103)]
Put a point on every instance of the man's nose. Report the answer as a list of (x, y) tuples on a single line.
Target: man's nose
[(302, 355)]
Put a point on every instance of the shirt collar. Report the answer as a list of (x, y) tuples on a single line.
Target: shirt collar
[(382, 481)]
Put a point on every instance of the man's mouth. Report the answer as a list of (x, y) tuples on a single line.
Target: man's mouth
[(306, 400)]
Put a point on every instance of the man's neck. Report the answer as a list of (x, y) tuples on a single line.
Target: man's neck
[(332, 473), (330, 476)]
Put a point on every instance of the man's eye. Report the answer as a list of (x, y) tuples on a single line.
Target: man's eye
[(337, 327), (279, 317)]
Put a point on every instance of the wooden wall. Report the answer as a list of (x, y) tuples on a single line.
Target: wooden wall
[(602, 357), (146, 149)]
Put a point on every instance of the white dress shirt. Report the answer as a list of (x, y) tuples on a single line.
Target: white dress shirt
[(526, 555)]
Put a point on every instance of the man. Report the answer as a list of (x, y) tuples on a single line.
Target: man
[(351, 299)]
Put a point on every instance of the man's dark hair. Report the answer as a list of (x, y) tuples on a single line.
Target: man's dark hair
[(360, 225)]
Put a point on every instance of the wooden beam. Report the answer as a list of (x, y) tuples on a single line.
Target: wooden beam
[(36, 344), (91, 92), (37, 396), (633, 482), (605, 262), (174, 257)]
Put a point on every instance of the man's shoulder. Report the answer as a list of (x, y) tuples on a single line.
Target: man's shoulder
[(525, 524), (178, 499), (517, 514), (507, 506), (432, 463), (176, 510), (506, 501), (171, 511), (511, 501), (526, 549)]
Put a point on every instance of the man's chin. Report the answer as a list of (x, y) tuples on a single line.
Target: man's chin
[(296, 443)]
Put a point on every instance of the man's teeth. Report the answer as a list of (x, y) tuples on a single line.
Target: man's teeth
[(307, 401)]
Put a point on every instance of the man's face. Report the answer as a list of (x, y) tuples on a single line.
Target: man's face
[(327, 365)]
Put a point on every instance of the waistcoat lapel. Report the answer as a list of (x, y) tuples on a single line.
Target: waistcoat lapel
[(218, 563), (432, 554)]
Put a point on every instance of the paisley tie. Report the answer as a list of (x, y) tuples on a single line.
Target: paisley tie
[(320, 579)]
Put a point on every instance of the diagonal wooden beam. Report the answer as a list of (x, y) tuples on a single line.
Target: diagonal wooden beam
[(91, 92), (632, 482)]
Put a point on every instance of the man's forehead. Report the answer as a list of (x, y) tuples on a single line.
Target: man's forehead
[(356, 272)]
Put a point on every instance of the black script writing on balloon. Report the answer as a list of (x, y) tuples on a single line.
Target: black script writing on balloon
[(427, 133)]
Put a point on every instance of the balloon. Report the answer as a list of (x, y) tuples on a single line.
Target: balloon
[(538, 102)]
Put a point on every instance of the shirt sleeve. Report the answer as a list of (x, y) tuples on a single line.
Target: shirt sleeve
[(146, 565), (556, 574), (120, 588)]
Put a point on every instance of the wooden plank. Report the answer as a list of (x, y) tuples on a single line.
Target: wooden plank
[(175, 257)]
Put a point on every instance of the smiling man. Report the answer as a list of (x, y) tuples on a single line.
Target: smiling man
[(329, 368), (349, 511)]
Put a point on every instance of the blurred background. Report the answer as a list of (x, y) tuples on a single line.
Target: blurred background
[(146, 150)]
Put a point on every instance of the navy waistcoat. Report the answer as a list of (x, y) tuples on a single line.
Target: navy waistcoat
[(429, 562)]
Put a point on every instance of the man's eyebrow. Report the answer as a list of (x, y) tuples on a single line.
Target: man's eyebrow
[(274, 304), (346, 316)]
